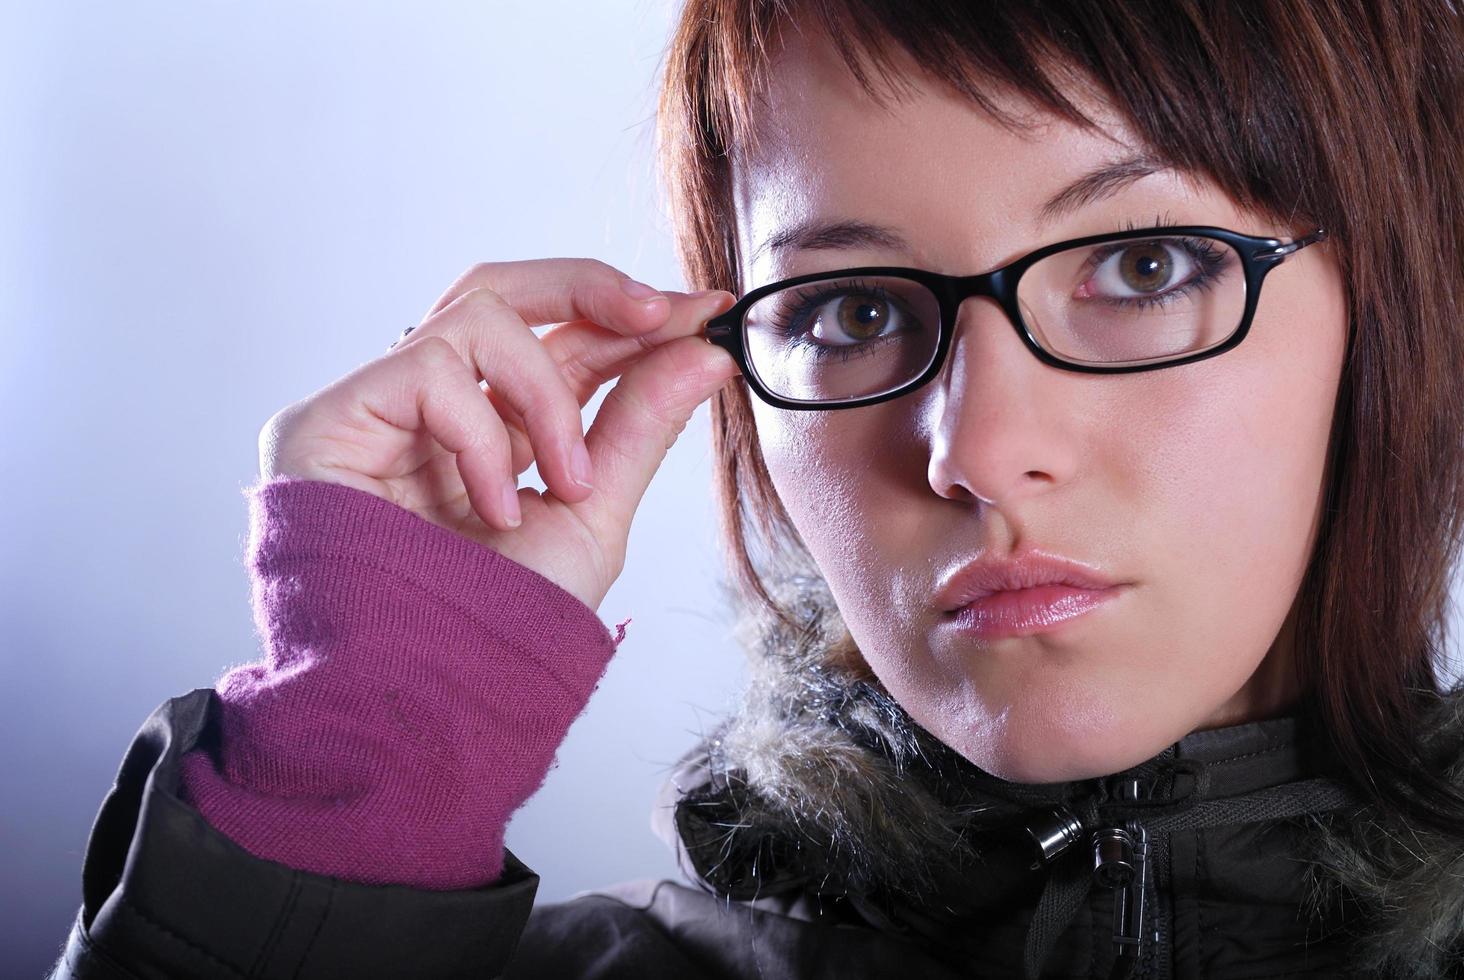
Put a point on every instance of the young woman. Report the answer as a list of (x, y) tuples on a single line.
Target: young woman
[(1088, 430)]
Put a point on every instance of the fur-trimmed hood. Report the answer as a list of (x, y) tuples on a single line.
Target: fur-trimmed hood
[(820, 785)]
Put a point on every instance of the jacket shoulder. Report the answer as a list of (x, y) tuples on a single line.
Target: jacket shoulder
[(164, 894), (649, 928)]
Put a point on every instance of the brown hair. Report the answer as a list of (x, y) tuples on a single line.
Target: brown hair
[(1346, 113)]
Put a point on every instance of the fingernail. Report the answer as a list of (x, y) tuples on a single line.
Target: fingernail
[(639, 290), (579, 466), (703, 295), (511, 505)]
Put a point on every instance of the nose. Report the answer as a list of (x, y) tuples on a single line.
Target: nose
[(1003, 425)]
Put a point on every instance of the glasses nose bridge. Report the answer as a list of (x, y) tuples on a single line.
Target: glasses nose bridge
[(993, 284)]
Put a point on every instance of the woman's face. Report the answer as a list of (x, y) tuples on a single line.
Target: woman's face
[(1198, 487)]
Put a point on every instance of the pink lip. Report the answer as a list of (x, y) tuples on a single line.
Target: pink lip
[(1020, 612), (1027, 570)]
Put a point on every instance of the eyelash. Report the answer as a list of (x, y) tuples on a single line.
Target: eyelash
[(1208, 259), (1164, 219), (844, 352)]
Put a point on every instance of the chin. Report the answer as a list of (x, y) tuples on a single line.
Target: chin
[(1083, 742), (1045, 769)]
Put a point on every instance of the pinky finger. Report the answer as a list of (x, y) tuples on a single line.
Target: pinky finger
[(458, 416)]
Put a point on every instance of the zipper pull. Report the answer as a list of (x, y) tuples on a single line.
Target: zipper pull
[(1052, 833), (1120, 862)]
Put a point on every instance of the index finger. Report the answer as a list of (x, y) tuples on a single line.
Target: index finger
[(558, 290)]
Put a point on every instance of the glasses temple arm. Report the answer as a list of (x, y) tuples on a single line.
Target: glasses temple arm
[(1320, 235)]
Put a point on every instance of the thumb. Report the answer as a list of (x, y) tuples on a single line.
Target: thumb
[(642, 416)]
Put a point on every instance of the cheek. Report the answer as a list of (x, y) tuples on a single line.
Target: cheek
[(1229, 455), (814, 464), (836, 493)]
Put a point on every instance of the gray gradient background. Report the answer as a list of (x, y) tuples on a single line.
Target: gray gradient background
[(211, 210)]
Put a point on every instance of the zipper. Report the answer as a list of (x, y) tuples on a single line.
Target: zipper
[(1141, 911), (1154, 962), (1160, 967), (1133, 862)]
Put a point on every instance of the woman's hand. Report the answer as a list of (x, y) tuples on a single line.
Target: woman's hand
[(417, 428)]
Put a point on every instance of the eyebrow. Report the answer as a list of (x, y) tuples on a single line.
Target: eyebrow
[(1097, 184), (824, 233)]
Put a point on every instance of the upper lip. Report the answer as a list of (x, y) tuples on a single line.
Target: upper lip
[(1033, 568)]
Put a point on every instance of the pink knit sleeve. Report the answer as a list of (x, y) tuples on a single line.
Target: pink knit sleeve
[(414, 690)]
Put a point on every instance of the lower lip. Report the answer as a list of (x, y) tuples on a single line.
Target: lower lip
[(1021, 612)]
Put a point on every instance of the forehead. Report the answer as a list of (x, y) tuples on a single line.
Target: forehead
[(929, 161)]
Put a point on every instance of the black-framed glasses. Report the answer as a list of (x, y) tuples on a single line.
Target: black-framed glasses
[(1127, 301)]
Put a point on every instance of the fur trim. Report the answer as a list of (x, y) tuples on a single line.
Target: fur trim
[(817, 759), (817, 752), (1409, 881)]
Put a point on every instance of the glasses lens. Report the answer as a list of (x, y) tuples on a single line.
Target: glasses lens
[(838, 339), (1135, 300)]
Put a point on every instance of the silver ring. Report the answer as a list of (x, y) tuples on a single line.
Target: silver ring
[(401, 338)]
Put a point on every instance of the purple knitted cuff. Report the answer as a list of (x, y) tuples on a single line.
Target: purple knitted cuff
[(415, 688)]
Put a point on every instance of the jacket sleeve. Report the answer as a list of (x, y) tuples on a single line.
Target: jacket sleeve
[(164, 894), (337, 808)]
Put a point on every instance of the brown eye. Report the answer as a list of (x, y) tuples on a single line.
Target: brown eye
[(1145, 268), (862, 317)]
